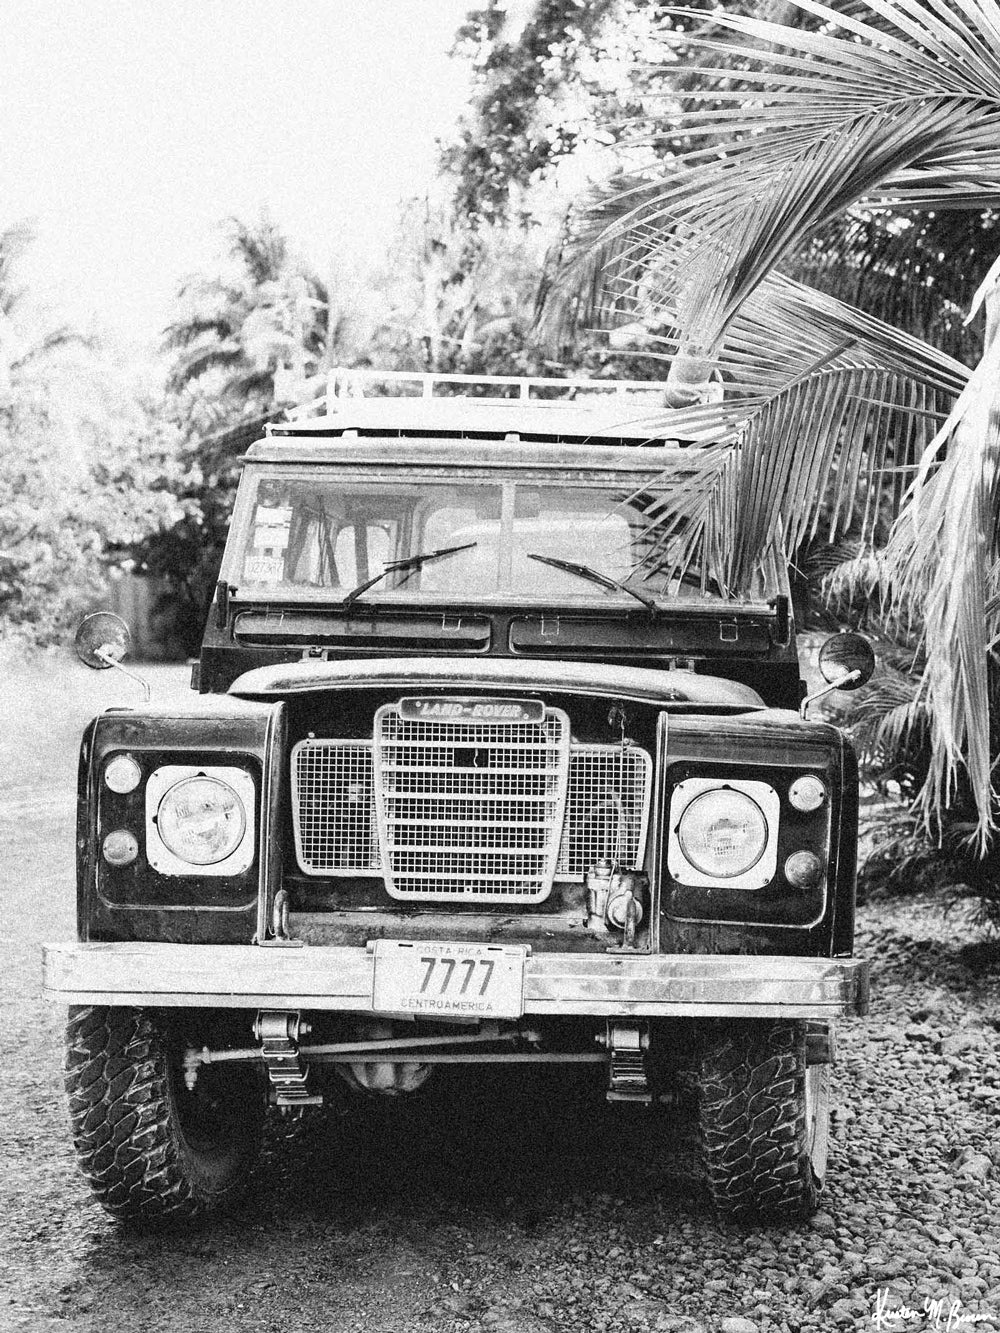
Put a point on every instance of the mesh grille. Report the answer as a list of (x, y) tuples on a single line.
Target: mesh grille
[(333, 807), (607, 808), (461, 832)]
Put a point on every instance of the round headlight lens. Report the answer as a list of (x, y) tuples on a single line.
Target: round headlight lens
[(201, 820), (723, 833), (122, 774)]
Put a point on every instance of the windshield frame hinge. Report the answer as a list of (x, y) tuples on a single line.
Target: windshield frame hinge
[(729, 631)]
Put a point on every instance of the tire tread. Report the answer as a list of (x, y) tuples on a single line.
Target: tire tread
[(123, 1121), (752, 1123)]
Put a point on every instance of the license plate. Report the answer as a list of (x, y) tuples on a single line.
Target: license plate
[(441, 980)]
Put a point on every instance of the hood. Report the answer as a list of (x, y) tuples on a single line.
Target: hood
[(640, 684)]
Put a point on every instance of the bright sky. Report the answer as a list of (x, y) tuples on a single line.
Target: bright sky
[(130, 128)]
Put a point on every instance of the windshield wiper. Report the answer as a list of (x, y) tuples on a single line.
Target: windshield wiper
[(595, 576), (409, 562)]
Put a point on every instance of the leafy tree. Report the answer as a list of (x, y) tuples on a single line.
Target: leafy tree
[(557, 80), (79, 461), (451, 297), (539, 84)]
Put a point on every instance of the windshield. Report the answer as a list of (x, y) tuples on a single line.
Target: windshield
[(318, 536)]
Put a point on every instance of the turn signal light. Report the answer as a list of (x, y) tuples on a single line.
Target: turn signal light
[(804, 870), (807, 793), (123, 774), (120, 847)]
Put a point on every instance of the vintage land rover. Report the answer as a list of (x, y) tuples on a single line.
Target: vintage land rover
[(484, 771)]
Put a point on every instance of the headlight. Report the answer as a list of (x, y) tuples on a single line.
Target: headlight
[(201, 820), (723, 833)]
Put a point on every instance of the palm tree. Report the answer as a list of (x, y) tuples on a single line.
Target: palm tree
[(238, 332), (828, 414)]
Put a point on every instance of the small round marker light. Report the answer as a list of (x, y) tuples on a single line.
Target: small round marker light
[(120, 847), (123, 774), (804, 870), (807, 793)]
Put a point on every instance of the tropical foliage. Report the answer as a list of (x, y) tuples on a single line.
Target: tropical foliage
[(80, 463), (828, 414), (243, 337), (550, 79)]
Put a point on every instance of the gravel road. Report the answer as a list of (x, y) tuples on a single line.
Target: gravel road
[(500, 1202)]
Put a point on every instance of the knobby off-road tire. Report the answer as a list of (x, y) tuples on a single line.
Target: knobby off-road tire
[(152, 1150), (763, 1120)]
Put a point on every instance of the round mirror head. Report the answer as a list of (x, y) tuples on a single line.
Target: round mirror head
[(844, 654), (100, 637)]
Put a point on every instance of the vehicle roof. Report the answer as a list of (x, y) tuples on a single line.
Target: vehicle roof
[(521, 452), (374, 416)]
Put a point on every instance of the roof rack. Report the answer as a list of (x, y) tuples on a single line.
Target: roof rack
[(344, 384)]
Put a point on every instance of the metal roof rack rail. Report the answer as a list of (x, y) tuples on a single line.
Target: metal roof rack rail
[(344, 383)]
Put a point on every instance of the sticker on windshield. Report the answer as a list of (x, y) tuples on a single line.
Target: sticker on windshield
[(271, 526), (263, 569)]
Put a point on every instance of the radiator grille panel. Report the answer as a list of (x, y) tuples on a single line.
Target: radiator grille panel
[(487, 818), (459, 832)]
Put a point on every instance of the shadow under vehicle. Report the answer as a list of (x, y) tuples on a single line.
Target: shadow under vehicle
[(489, 771)]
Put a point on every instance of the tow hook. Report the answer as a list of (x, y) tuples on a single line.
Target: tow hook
[(280, 938)]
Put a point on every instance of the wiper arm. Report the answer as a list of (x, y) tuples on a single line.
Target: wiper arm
[(595, 576), (409, 562)]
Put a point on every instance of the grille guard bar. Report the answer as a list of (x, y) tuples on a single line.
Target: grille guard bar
[(243, 976)]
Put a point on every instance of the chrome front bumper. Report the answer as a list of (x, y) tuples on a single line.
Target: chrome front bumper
[(245, 976)]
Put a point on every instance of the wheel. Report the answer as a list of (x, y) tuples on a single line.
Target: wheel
[(151, 1149), (763, 1120)]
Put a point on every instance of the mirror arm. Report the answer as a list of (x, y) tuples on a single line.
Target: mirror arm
[(837, 684), (108, 657)]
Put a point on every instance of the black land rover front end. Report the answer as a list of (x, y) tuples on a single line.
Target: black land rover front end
[(479, 767)]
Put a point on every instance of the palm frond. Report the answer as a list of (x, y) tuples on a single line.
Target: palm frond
[(14, 242), (260, 247), (919, 272), (53, 341), (798, 126), (819, 428), (944, 554), (201, 359), (181, 334), (895, 103)]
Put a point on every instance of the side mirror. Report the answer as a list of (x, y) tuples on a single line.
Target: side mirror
[(846, 661), (102, 640)]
